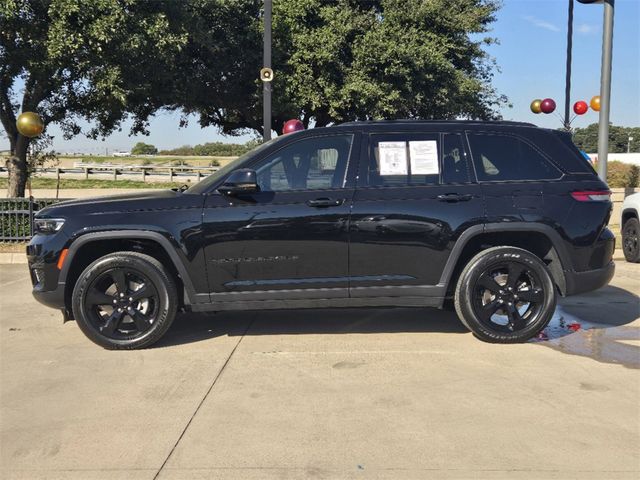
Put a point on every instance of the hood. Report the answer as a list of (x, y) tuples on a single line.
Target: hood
[(126, 202)]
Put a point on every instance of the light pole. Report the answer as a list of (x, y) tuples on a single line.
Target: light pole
[(629, 140), (567, 88), (266, 74), (605, 85)]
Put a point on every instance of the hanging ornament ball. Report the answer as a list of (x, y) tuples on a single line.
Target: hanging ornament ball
[(580, 108), (535, 105), (29, 124), (595, 103), (291, 126), (548, 105)]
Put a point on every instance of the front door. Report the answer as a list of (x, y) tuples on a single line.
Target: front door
[(290, 240), (415, 196)]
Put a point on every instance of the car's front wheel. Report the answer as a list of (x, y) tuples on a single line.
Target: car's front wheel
[(505, 295), (630, 240), (125, 300)]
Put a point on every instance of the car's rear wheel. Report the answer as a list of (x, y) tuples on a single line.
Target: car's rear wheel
[(630, 240), (125, 300), (505, 295)]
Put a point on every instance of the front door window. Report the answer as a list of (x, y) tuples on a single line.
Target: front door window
[(311, 164)]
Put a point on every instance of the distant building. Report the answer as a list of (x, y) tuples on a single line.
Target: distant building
[(121, 154)]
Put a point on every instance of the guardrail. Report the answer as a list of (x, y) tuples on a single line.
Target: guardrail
[(16, 217), (142, 170)]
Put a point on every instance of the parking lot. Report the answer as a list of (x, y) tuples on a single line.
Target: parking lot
[(361, 393)]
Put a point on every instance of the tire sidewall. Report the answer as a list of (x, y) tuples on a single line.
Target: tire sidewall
[(633, 257), (480, 264), (166, 307)]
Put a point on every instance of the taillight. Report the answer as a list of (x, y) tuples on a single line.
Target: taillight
[(592, 195)]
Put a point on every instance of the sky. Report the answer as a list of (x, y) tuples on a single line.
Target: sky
[(530, 55)]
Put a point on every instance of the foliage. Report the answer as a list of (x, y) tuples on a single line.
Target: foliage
[(214, 149), (41, 153), (107, 60), (622, 175), (142, 148), (336, 61), (587, 138), (104, 61)]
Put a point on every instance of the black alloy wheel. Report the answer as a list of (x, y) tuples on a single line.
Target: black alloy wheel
[(508, 297), (121, 303), (505, 295), (125, 300)]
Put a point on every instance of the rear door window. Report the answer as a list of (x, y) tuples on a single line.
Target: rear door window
[(397, 160), (506, 157)]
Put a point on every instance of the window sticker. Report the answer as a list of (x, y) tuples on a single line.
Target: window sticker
[(424, 157), (393, 158)]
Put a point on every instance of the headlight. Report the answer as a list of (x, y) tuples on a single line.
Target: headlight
[(48, 225)]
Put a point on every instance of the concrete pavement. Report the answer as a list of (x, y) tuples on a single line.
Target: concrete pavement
[(362, 393)]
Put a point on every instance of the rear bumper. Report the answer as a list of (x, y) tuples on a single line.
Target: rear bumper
[(580, 282)]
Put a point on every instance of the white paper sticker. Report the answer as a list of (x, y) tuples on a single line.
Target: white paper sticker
[(424, 157), (393, 158)]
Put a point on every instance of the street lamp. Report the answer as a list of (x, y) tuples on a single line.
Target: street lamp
[(629, 140), (605, 85), (266, 74)]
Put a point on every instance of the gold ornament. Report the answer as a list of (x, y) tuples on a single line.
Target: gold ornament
[(29, 124)]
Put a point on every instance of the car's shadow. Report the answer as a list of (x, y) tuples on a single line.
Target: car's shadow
[(606, 308), (192, 327)]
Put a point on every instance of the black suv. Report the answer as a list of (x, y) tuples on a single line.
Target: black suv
[(499, 217)]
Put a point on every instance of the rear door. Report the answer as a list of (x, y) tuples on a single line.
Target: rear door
[(415, 195), (512, 172)]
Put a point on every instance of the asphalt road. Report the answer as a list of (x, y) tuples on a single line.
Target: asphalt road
[(377, 393)]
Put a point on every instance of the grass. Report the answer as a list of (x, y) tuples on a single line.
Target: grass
[(75, 183)]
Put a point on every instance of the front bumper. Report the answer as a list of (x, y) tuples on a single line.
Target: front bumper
[(580, 282), (50, 298)]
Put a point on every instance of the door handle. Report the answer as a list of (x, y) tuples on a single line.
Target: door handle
[(325, 202), (454, 197)]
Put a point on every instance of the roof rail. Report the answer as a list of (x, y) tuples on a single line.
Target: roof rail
[(418, 120)]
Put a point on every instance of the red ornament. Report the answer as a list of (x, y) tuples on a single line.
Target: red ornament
[(291, 126), (580, 108), (547, 105)]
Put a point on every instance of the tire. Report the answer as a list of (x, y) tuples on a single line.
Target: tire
[(125, 301), (505, 295), (631, 240)]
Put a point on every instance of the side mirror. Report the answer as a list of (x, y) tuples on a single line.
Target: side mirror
[(243, 181)]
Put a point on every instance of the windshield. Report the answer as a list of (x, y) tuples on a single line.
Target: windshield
[(205, 185)]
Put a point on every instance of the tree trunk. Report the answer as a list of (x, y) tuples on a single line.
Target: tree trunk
[(17, 167)]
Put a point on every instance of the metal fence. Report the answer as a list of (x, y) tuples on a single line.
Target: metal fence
[(113, 172), (16, 217)]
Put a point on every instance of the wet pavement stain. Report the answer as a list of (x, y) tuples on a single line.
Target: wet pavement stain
[(604, 343)]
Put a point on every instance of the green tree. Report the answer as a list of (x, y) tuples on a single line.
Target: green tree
[(337, 61), (142, 148), (587, 138), (103, 61)]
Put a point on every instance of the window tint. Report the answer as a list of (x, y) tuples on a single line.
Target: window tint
[(505, 157), (310, 164), (454, 163), (403, 159)]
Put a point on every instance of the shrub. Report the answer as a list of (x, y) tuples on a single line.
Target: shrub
[(622, 175)]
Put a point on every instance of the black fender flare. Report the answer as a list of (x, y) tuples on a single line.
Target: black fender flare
[(476, 230), (163, 241)]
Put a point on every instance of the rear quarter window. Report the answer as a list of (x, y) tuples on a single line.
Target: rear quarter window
[(504, 157)]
